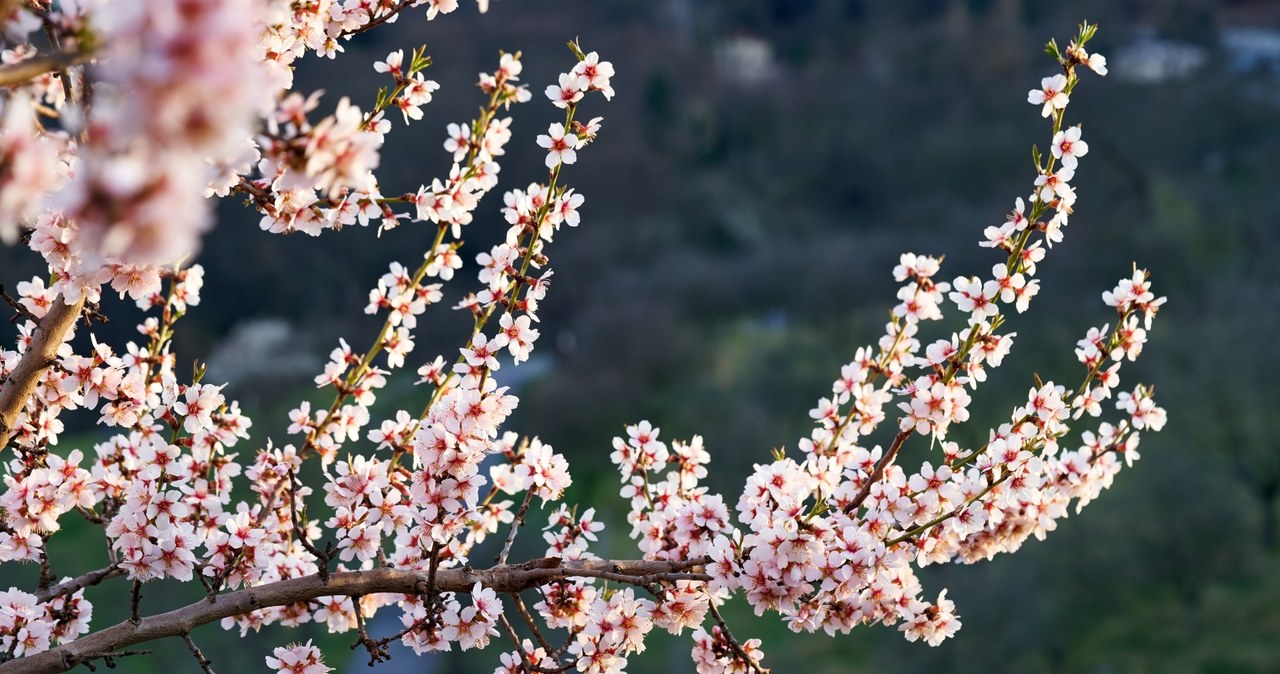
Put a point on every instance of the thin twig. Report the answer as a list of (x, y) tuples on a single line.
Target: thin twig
[(323, 557), (377, 650), (752, 665), (401, 6), (19, 310), (110, 658), (51, 33), (533, 626), (878, 471), (206, 665), (93, 314), (515, 527), (413, 627), (433, 571), (215, 586), (515, 639), (529, 666)]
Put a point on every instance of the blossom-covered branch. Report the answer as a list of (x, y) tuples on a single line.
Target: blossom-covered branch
[(182, 106), (510, 578)]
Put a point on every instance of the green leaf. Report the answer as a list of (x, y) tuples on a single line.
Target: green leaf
[(1051, 48), (1087, 31)]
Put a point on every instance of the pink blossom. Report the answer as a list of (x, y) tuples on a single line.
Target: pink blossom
[(560, 146), (1051, 94), (297, 659)]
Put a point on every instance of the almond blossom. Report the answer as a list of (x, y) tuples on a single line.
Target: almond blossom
[(1068, 147), (1052, 94), (298, 659), (560, 145)]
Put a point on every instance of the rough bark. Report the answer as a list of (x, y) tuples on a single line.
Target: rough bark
[(75, 584), (505, 578), (39, 356), (23, 71)]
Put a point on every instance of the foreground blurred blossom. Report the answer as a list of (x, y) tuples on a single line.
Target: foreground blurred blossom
[(178, 91), (28, 165)]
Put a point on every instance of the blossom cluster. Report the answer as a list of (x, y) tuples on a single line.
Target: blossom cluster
[(829, 539), (715, 652), (162, 486), (177, 93), (320, 26), (195, 100), (28, 625), (163, 116), (29, 165), (298, 659)]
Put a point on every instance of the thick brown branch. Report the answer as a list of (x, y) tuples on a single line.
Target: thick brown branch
[(48, 336), (507, 578), (24, 71)]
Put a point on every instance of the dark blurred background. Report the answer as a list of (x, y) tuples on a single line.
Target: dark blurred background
[(762, 166)]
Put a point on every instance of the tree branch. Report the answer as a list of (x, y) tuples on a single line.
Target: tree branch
[(79, 582), (515, 527), (878, 471), (507, 578), (533, 625), (734, 644), (374, 23), (206, 665), (48, 336), (24, 71)]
